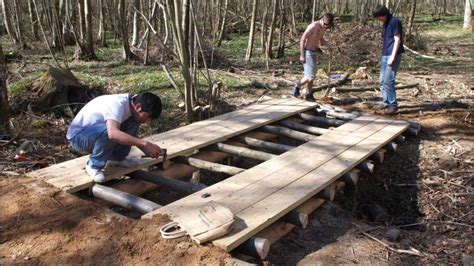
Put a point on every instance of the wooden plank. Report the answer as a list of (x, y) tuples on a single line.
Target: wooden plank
[(264, 212), (45, 172), (242, 190), (76, 179)]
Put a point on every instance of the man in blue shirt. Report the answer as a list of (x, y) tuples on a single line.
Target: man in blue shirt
[(392, 34)]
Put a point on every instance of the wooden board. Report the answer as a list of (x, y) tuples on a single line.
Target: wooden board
[(241, 192), (265, 212), (71, 176)]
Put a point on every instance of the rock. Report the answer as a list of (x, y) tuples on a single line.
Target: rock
[(393, 234)]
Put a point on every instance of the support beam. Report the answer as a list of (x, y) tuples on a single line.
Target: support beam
[(413, 131), (329, 192), (174, 184), (366, 166), (244, 152), (123, 199), (288, 133), (400, 139), (378, 156), (338, 115), (257, 247), (210, 166), (296, 218), (304, 128), (391, 146), (351, 178), (265, 144), (324, 121)]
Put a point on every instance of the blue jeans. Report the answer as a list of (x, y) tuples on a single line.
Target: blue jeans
[(95, 141), (387, 80)]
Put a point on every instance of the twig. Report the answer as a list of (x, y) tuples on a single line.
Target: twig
[(27, 123), (434, 222), (411, 251)]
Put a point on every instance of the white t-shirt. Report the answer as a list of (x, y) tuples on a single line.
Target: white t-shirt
[(114, 107)]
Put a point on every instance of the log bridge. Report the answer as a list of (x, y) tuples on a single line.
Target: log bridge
[(269, 199)]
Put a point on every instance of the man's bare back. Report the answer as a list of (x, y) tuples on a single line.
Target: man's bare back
[(315, 34)]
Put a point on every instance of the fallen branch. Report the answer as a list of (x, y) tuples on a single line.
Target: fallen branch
[(435, 222), (420, 55), (411, 251), (371, 88), (340, 82)]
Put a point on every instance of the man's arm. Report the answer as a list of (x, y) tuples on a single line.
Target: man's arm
[(396, 46), (115, 134)]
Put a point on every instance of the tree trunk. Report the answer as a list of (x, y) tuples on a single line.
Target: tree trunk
[(126, 53), (467, 16), (33, 21), (102, 28), (412, 18), (19, 25), (248, 54), (8, 24), (136, 23), (281, 36), (4, 105), (223, 23), (269, 51)]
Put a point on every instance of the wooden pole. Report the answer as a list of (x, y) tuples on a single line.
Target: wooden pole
[(257, 247), (210, 166), (391, 146), (366, 166), (288, 133), (174, 184), (304, 128), (372, 88), (297, 218), (123, 199), (324, 121), (351, 177), (339, 115), (378, 156), (244, 152), (265, 144)]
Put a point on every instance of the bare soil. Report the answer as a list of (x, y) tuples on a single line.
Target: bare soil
[(426, 188)]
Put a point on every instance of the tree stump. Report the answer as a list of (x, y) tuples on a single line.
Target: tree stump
[(59, 89)]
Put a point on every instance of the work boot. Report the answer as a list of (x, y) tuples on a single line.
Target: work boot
[(310, 97), (126, 163), (380, 107), (296, 91), (390, 110), (96, 174)]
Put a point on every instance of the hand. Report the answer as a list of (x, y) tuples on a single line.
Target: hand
[(390, 61), (302, 60), (152, 150)]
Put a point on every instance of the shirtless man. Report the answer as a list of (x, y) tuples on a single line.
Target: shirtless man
[(309, 43)]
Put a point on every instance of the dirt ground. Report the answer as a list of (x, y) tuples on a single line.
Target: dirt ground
[(426, 189)]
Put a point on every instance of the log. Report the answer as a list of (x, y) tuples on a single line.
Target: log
[(244, 152), (257, 247), (265, 144), (400, 139), (335, 114), (296, 218), (304, 128), (210, 166), (324, 121), (366, 166), (344, 79), (371, 88), (351, 177), (391, 146), (413, 130), (123, 199), (378, 156), (174, 184), (288, 133)]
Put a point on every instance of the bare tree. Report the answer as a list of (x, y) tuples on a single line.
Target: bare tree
[(126, 53), (135, 6), (8, 24), (467, 16), (248, 54), (412, 18), (4, 105)]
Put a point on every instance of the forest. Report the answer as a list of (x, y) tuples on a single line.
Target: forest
[(207, 58)]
